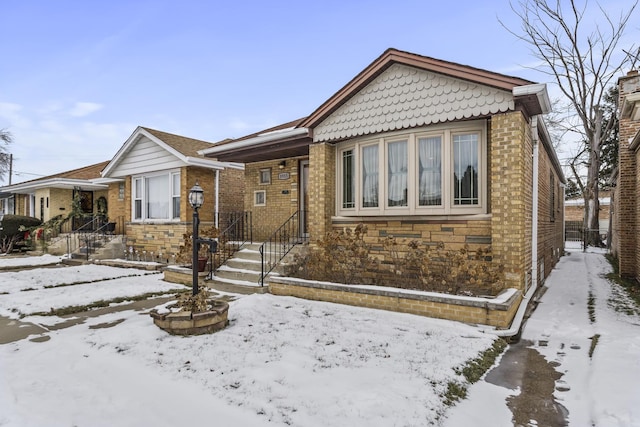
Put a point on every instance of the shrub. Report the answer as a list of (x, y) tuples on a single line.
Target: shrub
[(14, 230), (341, 256), (185, 255)]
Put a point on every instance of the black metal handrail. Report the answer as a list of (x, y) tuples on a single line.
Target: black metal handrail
[(280, 243), (92, 231), (237, 233)]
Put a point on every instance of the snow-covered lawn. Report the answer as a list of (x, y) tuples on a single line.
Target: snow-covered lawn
[(286, 361), (42, 289), (281, 361)]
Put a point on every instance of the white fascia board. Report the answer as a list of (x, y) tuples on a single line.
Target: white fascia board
[(106, 180), (54, 183), (540, 90), (212, 164), (260, 139)]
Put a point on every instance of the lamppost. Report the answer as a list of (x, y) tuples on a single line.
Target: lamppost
[(196, 199)]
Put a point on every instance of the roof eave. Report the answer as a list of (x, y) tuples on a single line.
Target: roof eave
[(534, 98), (212, 164), (64, 183), (255, 141)]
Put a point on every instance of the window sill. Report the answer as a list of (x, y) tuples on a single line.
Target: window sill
[(344, 219)]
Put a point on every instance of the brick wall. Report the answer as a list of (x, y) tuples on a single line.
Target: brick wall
[(60, 202), (322, 189), (119, 209), (231, 185), (507, 227), (550, 224), (627, 208), (511, 177), (281, 194), (167, 237), (469, 311)]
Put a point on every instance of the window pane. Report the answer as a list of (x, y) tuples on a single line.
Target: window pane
[(138, 189), (430, 170), (265, 176), (137, 196), (175, 178), (370, 176), (157, 192), (397, 164), (465, 169), (348, 182), (176, 207), (138, 207)]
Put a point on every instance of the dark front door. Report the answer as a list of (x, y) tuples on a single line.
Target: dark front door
[(85, 200)]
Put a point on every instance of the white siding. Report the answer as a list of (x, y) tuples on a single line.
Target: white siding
[(143, 157), (403, 97)]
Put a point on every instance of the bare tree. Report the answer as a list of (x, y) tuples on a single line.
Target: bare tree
[(5, 157), (583, 67)]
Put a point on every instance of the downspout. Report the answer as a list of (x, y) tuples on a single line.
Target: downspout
[(216, 214), (534, 202), (529, 292)]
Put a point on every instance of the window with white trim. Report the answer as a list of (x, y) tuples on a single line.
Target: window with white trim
[(439, 170), (260, 198), (156, 196), (265, 176)]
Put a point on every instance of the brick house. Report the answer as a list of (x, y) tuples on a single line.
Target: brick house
[(50, 196), (625, 244), (148, 182), (417, 148)]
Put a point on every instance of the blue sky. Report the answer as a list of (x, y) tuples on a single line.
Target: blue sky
[(77, 77)]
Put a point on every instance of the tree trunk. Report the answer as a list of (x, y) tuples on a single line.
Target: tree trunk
[(592, 209)]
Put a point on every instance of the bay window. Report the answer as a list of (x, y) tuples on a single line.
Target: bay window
[(156, 196), (440, 170)]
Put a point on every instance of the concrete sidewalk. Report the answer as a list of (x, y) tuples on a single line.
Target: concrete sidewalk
[(578, 360), (14, 330)]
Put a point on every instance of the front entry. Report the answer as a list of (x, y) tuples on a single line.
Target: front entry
[(303, 203)]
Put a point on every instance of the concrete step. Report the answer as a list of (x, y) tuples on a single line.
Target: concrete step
[(244, 264), (249, 254), (235, 286), (227, 272)]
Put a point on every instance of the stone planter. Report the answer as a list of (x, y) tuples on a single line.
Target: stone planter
[(188, 323)]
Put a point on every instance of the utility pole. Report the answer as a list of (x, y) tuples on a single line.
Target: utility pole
[(10, 167)]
